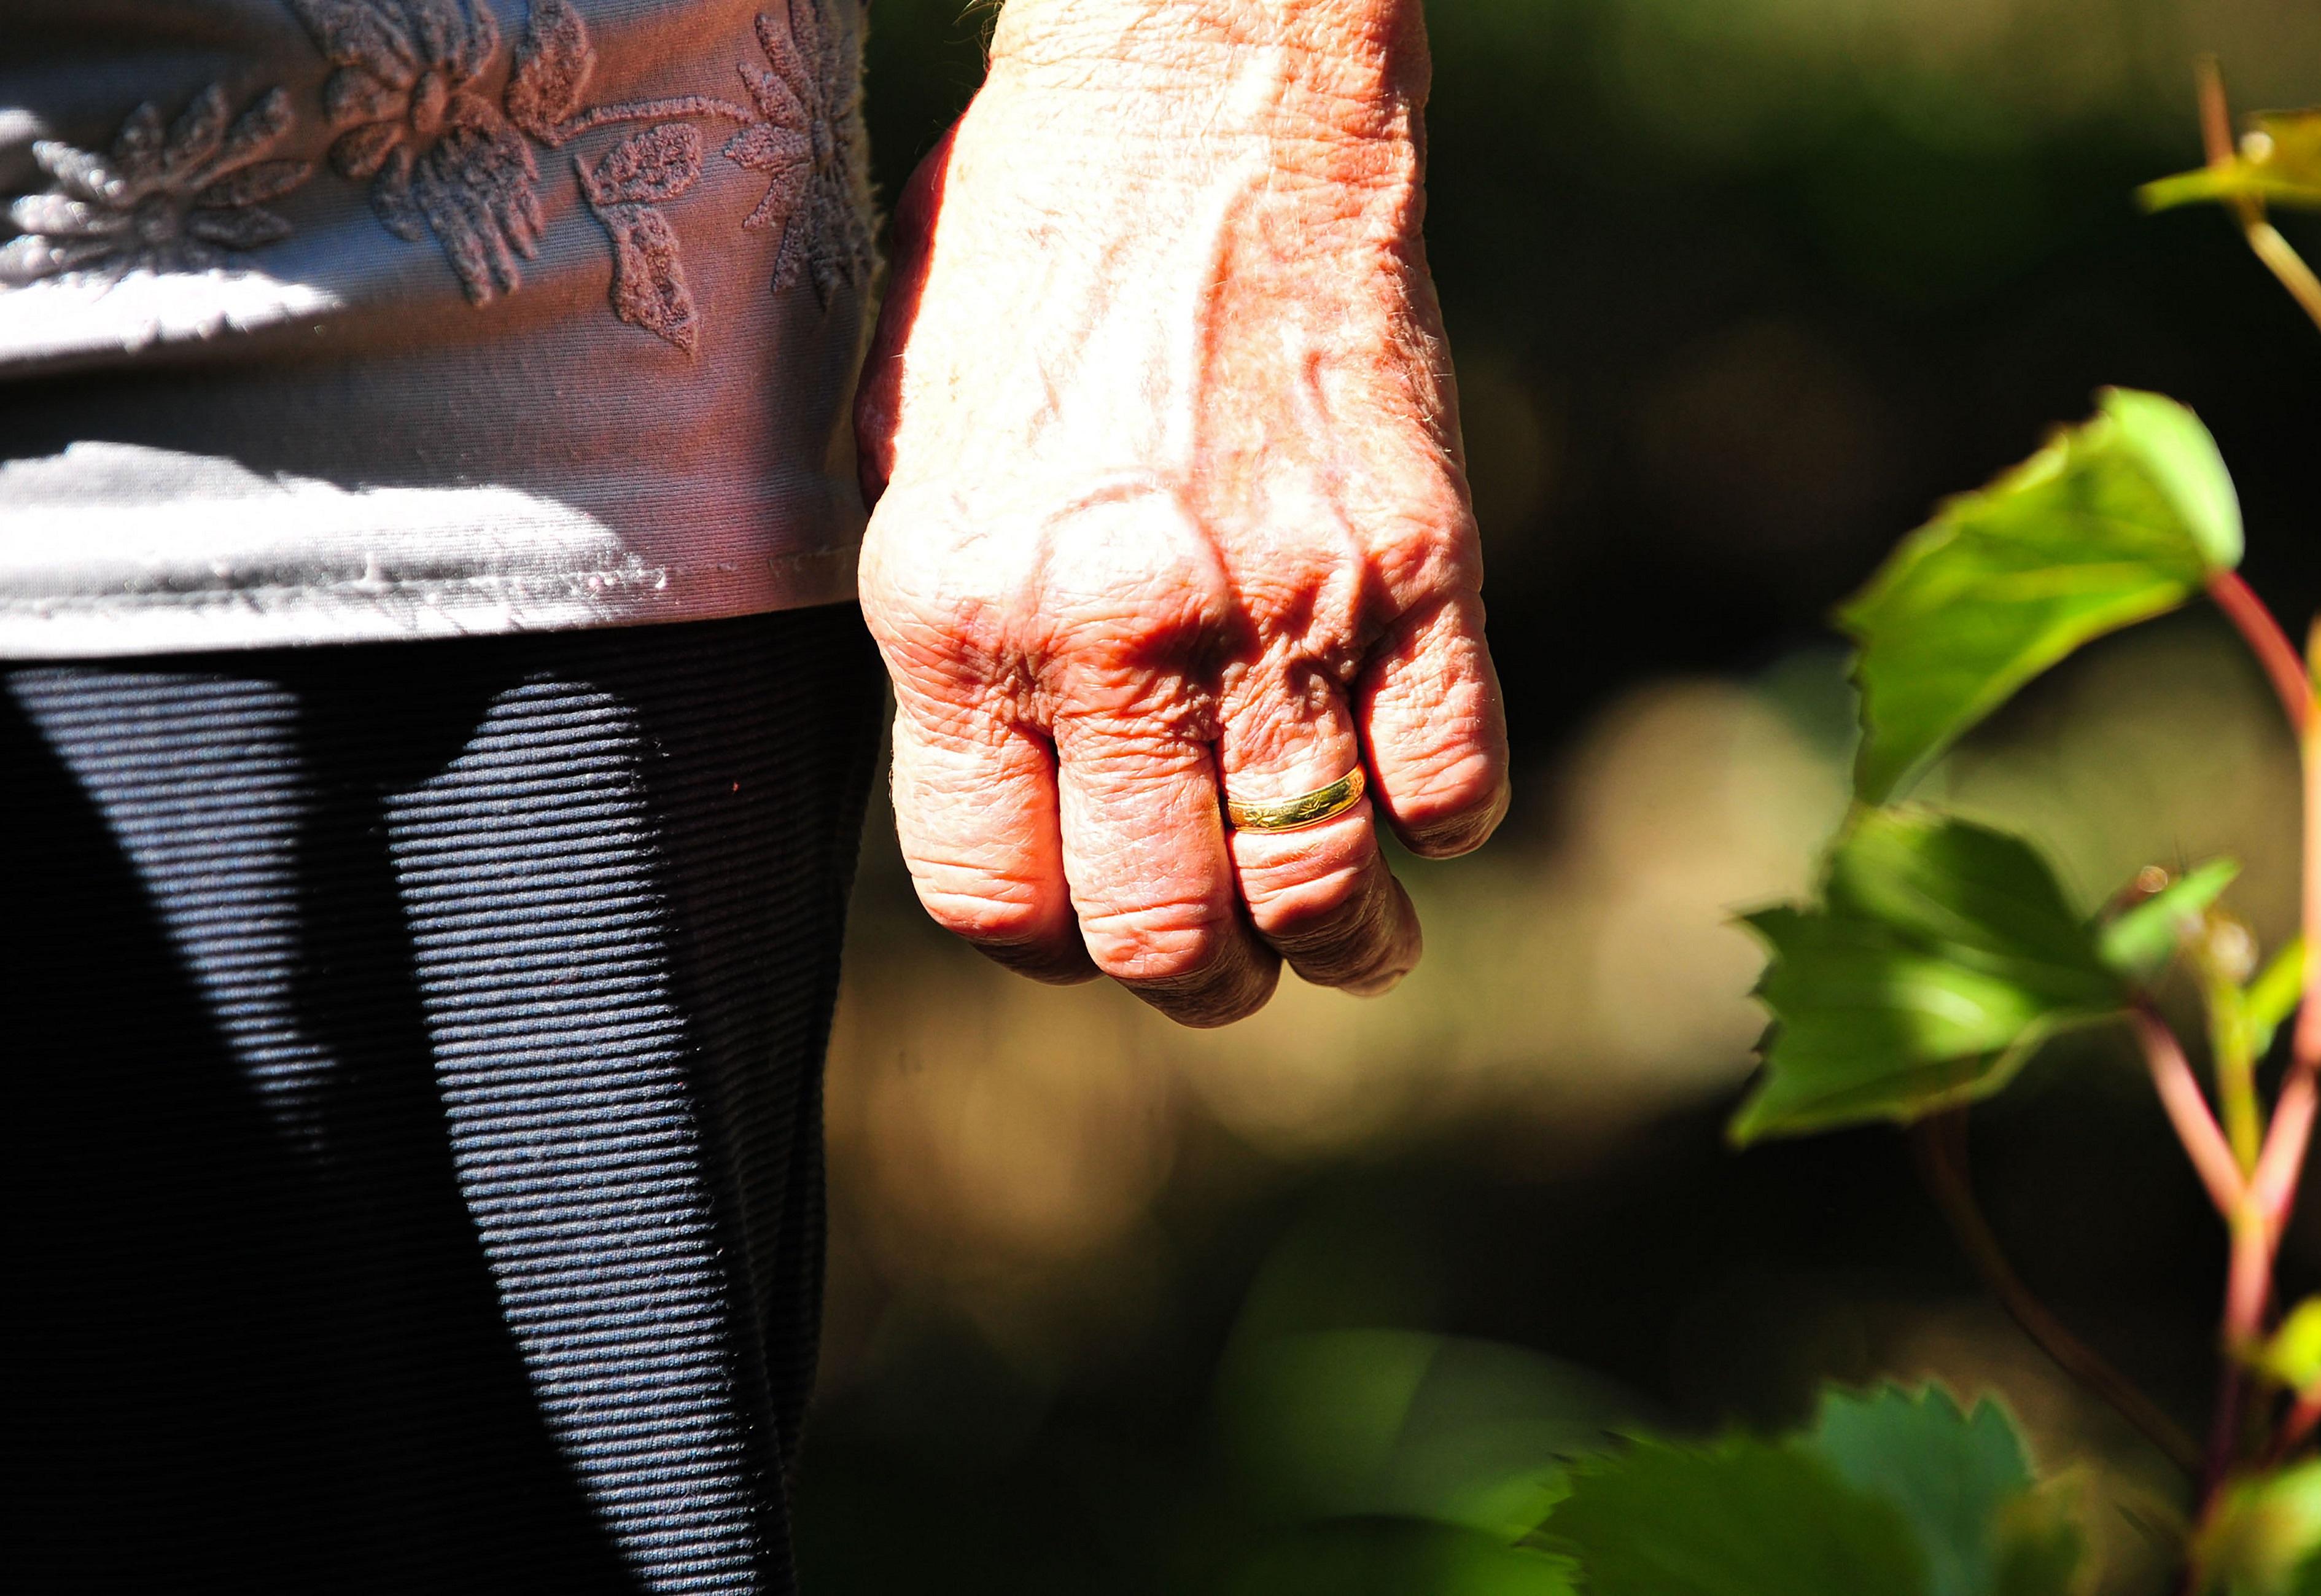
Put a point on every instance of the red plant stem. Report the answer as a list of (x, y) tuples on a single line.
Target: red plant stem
[(2282, 1163), (2248, 1291), (2248, 1283), (2187, 1110), (2273, 1189), (2297, 1425), (2278, 255), (2268, 642), (2215, 115), (2266, 1199), (1941, 1146), (2223, 1435)]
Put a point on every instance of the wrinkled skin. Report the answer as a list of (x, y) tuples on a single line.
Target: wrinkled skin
[(1159, 424)]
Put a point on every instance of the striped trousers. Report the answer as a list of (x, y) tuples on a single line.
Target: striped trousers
[(413, 1066)]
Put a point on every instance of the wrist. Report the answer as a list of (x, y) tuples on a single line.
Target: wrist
[(1352, 51)]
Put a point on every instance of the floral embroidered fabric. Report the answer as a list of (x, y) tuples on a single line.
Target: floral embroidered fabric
[(356, 170), (158, 202), (448, 161)]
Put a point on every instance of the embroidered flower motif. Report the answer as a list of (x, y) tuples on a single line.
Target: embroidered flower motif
[(551, 71), (443, 158), (161, 201), (649, 288), (809, 142), (552, 66)]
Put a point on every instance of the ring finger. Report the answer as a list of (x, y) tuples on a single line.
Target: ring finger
[(1322, 893)]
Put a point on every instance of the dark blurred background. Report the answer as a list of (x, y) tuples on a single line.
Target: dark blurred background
[(1737, 289)]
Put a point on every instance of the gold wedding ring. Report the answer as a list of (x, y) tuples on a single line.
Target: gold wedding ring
[(1310, 809)]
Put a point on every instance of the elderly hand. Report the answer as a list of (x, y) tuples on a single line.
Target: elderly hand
[(1160, 425)]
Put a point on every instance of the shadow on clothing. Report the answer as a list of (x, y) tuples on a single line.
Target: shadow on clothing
[(365, 999)]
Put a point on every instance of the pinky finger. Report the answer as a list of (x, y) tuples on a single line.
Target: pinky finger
[(1436, 729)]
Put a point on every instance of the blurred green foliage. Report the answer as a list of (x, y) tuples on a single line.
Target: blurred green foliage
[(2277, 161), (2292, 1357), (2265, 1540), (1901, 1493)]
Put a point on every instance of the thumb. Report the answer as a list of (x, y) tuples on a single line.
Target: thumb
[(879, 400)]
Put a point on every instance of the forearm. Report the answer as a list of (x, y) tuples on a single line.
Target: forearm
[(1189, 189)]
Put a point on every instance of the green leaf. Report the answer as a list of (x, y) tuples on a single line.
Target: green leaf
[(2114, 521), (1378, 1423), (1743, 1517), (2274, 993), (2291, 143), (2278, 162), (2262, 1535), (2236, 179), (2293, 1354), (1948, 1472), (1819, 1511), (2139, 942), (1983, 895), (1944, 955), (1961, 1478), (2041, 1544)]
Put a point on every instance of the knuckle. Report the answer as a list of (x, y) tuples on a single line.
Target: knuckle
[(1364, 942), (899, 604), (1138, 578), (988, 915), (1146, 947), (1231, 991), (1329, 905), (1120, 716), (1061, 965), (1450, 805), (1360, 960), (932, 591), (985, 888), (1429, 559), (1013, 928), (1134, 645), (916, 625)]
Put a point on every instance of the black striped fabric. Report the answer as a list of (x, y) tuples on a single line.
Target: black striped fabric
[(413, 1120)]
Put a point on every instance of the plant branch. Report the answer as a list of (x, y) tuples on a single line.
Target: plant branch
[(2281, 260), (2285, 264), (2283, 667), (2279, 1167), (2248, 1289), (2271, 1189), (2187, 1110), (1939, 1145), (2248, 1281), (2216, 113), (2232, 1055)]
